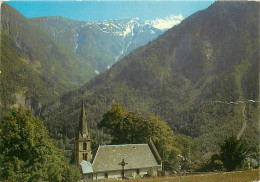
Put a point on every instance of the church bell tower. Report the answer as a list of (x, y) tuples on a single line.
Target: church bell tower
[(82, 148)]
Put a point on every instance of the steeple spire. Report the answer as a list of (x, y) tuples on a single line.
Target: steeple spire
[(83, 128), (82, 149)]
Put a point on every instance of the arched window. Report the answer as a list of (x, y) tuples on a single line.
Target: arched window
[(85, 157), (84, 146)]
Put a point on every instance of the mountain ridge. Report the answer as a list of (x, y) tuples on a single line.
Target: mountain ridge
[(35, 53), (181, 75), (103, 42), (49, 49)]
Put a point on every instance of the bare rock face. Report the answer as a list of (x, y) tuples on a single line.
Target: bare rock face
[(102, 43)]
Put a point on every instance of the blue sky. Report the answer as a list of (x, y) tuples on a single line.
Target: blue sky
[(108, 10), (112, 0)]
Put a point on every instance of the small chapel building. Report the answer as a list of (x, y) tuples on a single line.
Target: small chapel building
[(114, 161)]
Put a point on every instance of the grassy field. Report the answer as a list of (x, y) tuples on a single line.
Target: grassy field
[(241, 176)]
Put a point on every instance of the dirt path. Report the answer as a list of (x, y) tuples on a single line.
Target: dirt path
[(244, 123)]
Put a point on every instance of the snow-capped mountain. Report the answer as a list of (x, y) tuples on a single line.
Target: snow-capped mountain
[(114, 39), (165, 23), (104, 43)]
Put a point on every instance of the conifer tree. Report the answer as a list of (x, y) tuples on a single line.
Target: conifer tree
[(233, 152)]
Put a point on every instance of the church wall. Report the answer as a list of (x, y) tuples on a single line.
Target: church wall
[(99, 176), (117, 174), (111, 175), (88, 177), (143, 171), (130, 173), (114, 174)]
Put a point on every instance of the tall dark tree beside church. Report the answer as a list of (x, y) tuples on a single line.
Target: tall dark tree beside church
[(233, 152), (28, 154)]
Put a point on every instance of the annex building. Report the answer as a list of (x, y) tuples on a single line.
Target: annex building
[(114, 161)]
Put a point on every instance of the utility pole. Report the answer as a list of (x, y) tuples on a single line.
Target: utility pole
[(123, 163)]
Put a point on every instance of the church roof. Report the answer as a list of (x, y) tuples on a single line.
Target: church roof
[(137, 156), (86, 167)]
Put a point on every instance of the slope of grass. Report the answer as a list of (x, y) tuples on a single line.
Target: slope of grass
[(240, 176)]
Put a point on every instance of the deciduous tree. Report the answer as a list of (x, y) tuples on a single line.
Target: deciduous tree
[(128, 127), (28, 154)]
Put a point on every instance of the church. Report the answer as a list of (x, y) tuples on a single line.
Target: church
[(114, 161)]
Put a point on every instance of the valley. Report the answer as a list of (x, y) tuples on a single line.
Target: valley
[(178, 76), (186, 84)]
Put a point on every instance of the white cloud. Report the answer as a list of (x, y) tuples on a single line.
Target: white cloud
[(165, 23)]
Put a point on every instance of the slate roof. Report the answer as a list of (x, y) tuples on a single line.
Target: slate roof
[(137, 156), (86, 167)]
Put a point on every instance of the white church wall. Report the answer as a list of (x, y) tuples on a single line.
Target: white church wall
[(133, 173), (130, 173), (114, 174), (143, 171), (99, 176)]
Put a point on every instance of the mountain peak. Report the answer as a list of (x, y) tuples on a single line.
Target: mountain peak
[(190, 76), (165, 23)]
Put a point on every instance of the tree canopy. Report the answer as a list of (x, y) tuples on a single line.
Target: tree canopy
[(28, 154), (127, 127)]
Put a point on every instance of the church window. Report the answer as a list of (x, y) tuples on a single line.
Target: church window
[(106, 175), (84, 146), (85, 157)]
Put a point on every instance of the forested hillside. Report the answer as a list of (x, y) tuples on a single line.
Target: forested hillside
[(35, 68), (201, 77)]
